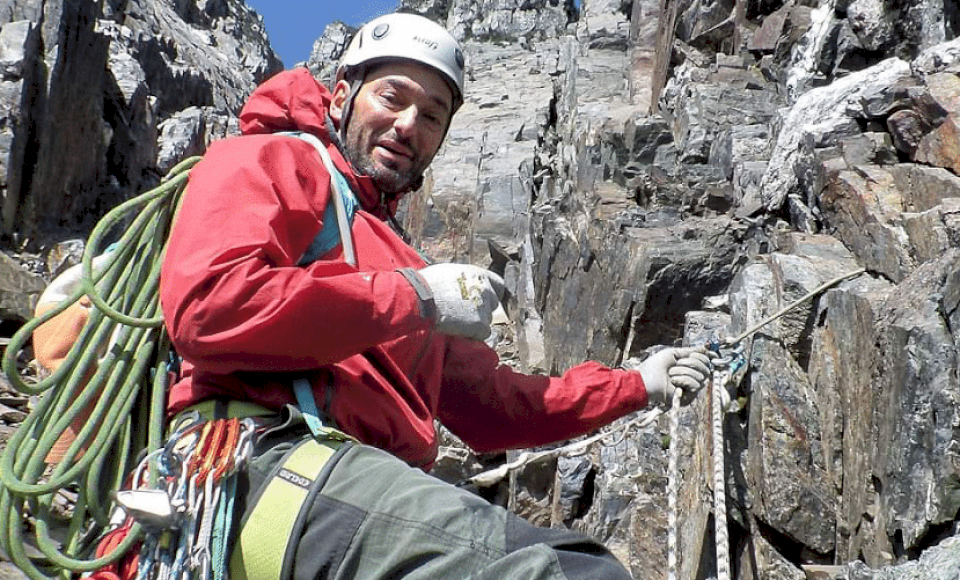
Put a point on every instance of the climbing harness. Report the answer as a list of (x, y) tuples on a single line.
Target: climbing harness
[(133, 370), (264, 549), (728, 365)]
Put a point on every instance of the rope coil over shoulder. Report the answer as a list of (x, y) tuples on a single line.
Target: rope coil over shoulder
[(132, 371)]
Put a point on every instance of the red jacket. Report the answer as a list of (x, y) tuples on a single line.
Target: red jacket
[(247, 320)]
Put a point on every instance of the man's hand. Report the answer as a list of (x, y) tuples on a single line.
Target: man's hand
[(465, 297), (673, 368)]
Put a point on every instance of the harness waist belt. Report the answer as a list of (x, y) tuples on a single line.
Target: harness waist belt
[(214, 409)]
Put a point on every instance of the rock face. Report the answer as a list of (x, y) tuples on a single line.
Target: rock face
[(686, 185), (85, 87), (643, 172)]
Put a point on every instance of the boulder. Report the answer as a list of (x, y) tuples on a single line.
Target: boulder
[(19, 290)]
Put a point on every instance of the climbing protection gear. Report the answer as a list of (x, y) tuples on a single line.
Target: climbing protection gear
[(685, 369), (407, 37), (133, 370), (465, 297), (186, 509)]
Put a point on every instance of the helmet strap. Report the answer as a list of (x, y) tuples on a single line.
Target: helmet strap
[(355, 86)]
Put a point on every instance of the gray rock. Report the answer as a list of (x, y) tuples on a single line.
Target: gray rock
[(941, 146), (327, 50), (937, 58), (927, 233), (602, 24), (212, 54), (702, 114), (507, 21), (841, 369), (131, 114), (939, 563), (872, 22), (20, 90), (918, 404), (81, 134), (19, 290), (761, 559), (741, 144), (63, 255), (189, 132), (876, 237), (822, 106), (908, 128), (868, 148)]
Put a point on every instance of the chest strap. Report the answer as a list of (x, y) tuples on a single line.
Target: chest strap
[(345, 205)]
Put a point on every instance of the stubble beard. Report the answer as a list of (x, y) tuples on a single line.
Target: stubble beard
[(390, 180)]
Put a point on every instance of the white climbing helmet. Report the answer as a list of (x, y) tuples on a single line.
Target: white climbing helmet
[(410, 37)]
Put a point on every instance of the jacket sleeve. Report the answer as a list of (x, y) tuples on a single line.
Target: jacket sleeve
[(232, 294), (491, 407)]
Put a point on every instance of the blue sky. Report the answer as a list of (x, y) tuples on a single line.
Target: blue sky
[(293, 25)]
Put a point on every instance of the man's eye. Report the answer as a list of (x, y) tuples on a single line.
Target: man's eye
[(434, 118)]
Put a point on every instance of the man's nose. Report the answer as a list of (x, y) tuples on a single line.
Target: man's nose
[(406, 121)]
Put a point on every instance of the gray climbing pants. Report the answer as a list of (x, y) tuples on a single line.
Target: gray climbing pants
[(375, 518)]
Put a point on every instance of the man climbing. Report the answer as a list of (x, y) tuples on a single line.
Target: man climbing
[(285, 276)]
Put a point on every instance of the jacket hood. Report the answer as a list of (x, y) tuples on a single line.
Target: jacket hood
[(294, 101)]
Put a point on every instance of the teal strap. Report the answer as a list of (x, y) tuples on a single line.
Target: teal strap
[(221, 531), (340, 212), (329, 237), (308, 406)]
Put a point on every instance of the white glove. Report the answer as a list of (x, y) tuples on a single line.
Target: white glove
[(465, 297), (673, 368)]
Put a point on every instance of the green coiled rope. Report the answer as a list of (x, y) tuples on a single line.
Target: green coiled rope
[(124, 347)]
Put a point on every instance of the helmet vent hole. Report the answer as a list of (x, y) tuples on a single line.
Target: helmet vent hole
[(381, 31)]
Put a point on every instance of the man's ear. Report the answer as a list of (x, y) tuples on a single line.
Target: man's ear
[(341, 91)]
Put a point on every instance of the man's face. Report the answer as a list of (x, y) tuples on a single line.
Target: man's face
[(399, 119)]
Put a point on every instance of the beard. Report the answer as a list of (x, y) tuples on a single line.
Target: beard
[(389, 178)]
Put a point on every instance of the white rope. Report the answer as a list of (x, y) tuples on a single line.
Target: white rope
[(493, 476), (721, 533), (720, 402), (673, 484)]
